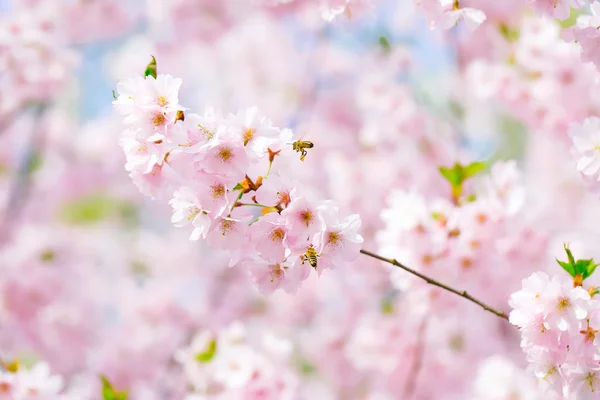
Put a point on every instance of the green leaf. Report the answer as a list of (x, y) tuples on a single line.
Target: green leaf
[(387, 306), (94, 208), (510, 34), (471, 198), (571, 20), (586, 267), (238, 187), (458, 174), (306, 368), (209, 353), (452, 175), (385, 44), (114, 95), (151, 69), (590, 270), (436, 215), (569, 255), (457, 109), (109, 393), (582, 269), (47, 256), (512, 139), (567, 267), (34, 163), (473, 169)]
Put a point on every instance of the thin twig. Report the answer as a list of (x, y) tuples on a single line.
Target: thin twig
[(20, 190), (411, 382), (461, 293)]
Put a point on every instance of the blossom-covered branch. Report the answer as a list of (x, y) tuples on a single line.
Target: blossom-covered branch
[(230, 179)]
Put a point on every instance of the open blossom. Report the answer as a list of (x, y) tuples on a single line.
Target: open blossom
[(555, 8), (452, 12), (586, 33), (586, 147), (268, 234), (505, 188), (288, 275), (29, 383), (331, 9), (340, 240), (565, 305), (303, 218), (499, 378), (447, 13), (528, 301), (224, 155), (254, 130), (188, 210)]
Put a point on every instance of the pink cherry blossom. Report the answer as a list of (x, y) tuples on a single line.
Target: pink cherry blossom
[(187, 209)]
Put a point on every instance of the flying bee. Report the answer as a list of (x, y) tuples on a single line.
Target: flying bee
[(300, 146), (310, 256)]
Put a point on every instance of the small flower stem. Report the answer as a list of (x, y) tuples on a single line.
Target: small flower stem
[(236, 201), (461, 293), (269, 169), (251, 204)]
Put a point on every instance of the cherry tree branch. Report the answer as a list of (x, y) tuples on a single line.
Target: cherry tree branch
[(461, 293)]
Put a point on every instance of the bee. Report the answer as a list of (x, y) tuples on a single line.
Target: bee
[(300, 146), (310, 256)]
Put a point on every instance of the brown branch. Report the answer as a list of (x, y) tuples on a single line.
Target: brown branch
[(461, 293), (411, 382)]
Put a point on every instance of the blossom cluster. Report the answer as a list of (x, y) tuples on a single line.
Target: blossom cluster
[(586, 149), (229, 363), (34, 61), (585, 32), (455, 240), (219, 174), (19, 383), (559, 319)]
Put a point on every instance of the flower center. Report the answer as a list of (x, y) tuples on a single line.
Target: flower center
[(550, 371), (563, 303), (159, 119), (227, 226), (192, 212), (162, 101), (276, 272), (225, 154), (334, 239), (248, 135), (283, 198), (277, 235), (306, 217), (466, 263), (591, 380), (217, 191)]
